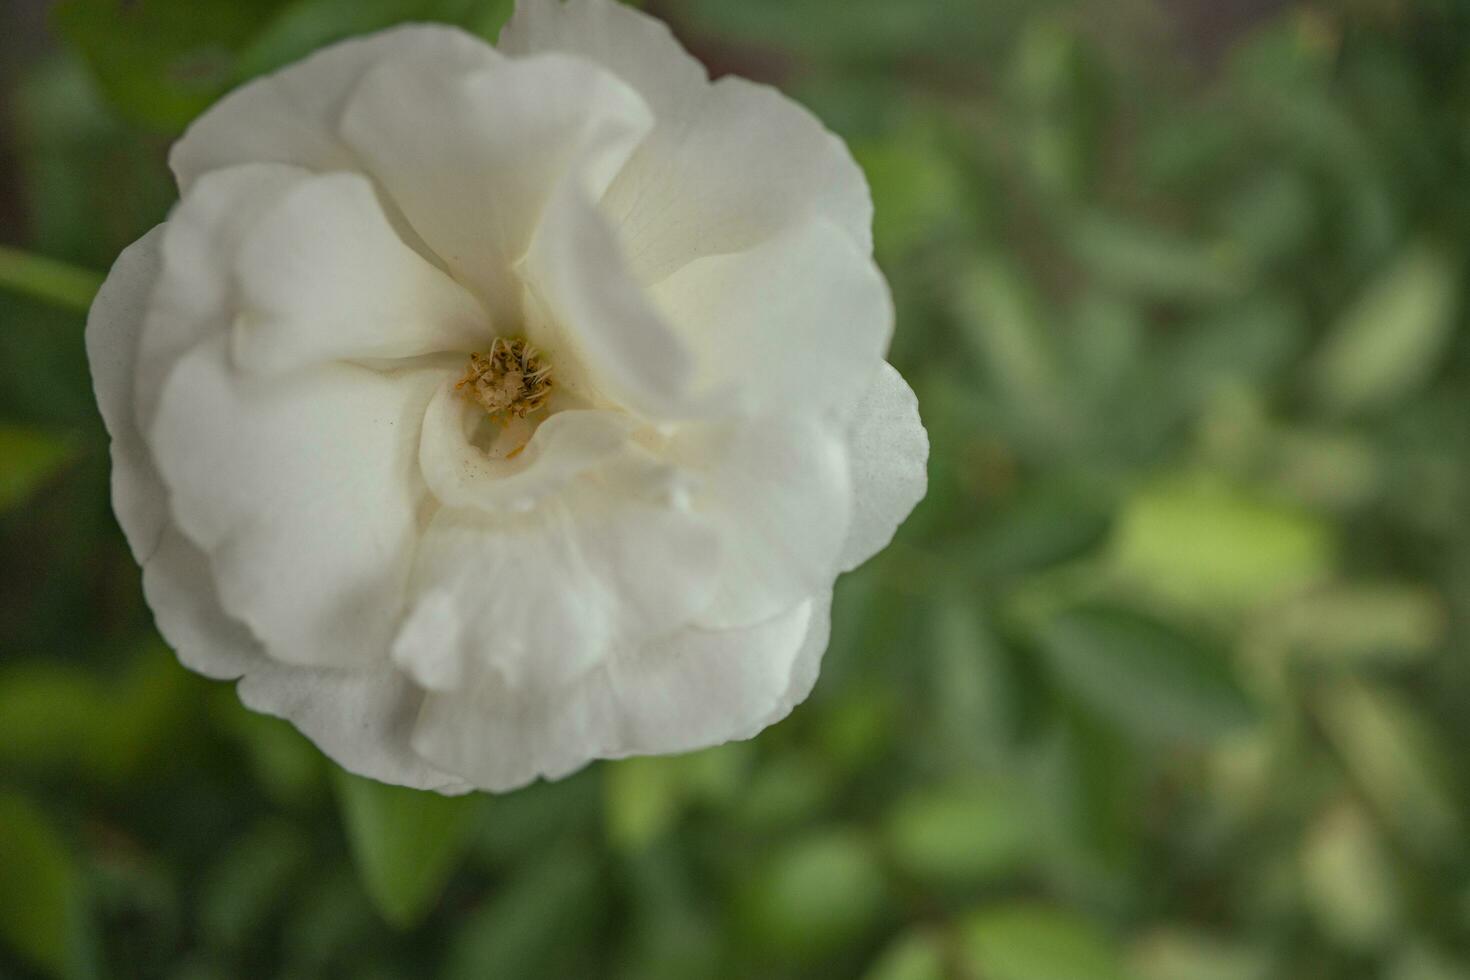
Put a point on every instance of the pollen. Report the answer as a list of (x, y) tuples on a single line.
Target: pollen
[(510, 382)]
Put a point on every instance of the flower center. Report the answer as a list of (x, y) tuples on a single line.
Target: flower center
[(510, 382)]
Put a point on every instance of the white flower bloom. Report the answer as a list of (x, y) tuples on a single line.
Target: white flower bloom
[(488, 411)]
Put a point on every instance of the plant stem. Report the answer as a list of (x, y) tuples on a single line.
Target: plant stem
[(48, 280)]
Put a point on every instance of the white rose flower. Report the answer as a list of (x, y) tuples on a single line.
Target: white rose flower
[(489, 411)]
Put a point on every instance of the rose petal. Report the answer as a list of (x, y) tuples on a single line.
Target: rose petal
[(792, 326), (888, 450), (461, 474), (778, 489), (195, 293), (323, 275), (728, 165), (688, 691), (471, 158), (541, 598), (609, 345), (303, 492), (363, 720), (291, 116), (637, 48)]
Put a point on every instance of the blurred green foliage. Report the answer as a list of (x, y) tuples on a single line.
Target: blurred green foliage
[(1165, 680)]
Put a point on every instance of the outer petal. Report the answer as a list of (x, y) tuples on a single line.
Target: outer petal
[(471, 158), (728, 165), (303, 490), (792, 326), (292, 115), (744, 164), (639, 49), (780, 492), (195, 294), (335, 710), (691, 690), (114, 326), (322, 275), (363, 720), (888, 450), (541, 599)]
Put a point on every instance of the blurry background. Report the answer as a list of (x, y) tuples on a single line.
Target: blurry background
[(1166, 679)]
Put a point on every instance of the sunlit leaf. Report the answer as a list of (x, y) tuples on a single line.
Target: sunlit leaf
[(1035, 942), (1390, 340), (45, 915), (913, 956), (28, 458), (968, 832), (1393, 756), (1201, 542)]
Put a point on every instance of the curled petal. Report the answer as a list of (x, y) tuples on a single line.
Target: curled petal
[(472, 158), (303, 491)]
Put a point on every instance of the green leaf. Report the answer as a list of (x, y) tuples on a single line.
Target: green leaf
[(1147, 678), (162, 62), (245, 886), (1200, 542), (45, 915), (1349, 882), (1035, 942), (533, 925), (912, 956), (1045, 525), (644, 797), (963, 833), (47, 280), (1182, 954), (1391, 339), (28, 458), (815, 894), (406, 842), (1155, 263), (303, 26), (1393, 756)]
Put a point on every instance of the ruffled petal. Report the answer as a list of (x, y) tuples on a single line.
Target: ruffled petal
[(322, 275), (303, 491), (728, 165), (196, 290), (888, 452), (362, 720), (607, 342), (690, 690), (292, 116), (744, 164), (540, 599), (471, 158), (779, 491), (791, 326)]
